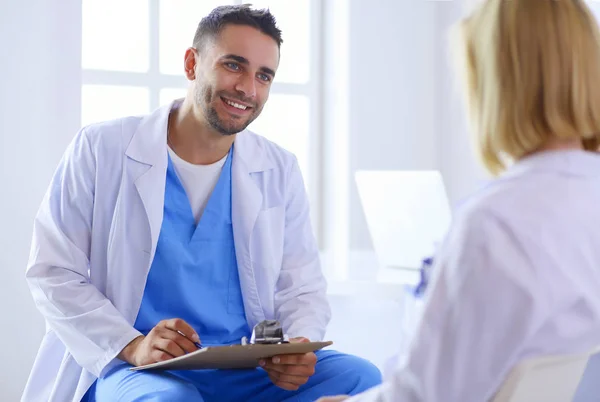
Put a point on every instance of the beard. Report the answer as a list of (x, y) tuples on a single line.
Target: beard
[(206, 97)]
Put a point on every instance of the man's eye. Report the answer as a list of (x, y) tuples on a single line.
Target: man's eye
[(233, 66), (264, 77)]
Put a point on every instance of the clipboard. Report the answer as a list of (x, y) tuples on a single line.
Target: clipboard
[(232, 356)]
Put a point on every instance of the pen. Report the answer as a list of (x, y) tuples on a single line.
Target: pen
[(198, 345)]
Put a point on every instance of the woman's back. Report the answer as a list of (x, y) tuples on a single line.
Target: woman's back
[(518, 276), (547, 205)]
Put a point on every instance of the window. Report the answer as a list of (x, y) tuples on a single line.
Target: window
[(132, 61)]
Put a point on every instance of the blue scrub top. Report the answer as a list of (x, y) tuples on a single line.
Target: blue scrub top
[(194, 274)]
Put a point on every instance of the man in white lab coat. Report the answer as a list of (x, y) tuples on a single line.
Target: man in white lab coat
[(161, 232)]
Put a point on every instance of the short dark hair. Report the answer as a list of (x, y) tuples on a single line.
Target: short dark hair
[(240, 14)]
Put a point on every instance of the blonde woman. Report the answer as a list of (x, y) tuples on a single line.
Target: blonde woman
[(519, 273)]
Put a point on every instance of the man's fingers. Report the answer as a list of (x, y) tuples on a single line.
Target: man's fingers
[(159, 356), (278, 377), (292, 379), (177, 324), (183, 342), (290, 371), (296, 359), (282, 384), (299, 370), (168, 346)]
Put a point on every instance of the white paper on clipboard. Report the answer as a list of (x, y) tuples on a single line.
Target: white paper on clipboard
[(233, 356)]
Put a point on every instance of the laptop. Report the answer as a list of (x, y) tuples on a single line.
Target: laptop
[(407, 213)]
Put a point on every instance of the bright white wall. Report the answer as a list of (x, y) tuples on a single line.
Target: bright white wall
[(392, 66), (406, 111), (39, 113), (460, 168)]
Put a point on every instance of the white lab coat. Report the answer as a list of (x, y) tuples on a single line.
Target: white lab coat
[(518, 276), (96, 233)]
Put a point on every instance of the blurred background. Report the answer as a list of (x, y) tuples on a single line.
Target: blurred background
[(362, 86)]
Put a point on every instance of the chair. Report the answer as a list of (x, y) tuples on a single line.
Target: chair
[(547, 379)]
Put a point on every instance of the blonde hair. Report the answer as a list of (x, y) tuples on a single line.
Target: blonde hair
[(532, 72)]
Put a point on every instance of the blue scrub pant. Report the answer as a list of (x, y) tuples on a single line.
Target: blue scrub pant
[(335, 373)]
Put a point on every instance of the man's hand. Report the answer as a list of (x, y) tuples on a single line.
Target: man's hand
[(290, 371), (338, 398), (165, 341)]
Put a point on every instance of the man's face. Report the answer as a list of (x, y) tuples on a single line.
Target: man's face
[(233, 77)]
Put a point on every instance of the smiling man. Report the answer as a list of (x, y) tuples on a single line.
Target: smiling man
[(161, 232)]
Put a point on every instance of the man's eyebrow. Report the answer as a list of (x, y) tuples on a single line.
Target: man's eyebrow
[(267, 70), (243, 60), (239, 59)]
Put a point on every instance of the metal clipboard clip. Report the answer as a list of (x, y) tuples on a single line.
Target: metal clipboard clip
[(267, 332)]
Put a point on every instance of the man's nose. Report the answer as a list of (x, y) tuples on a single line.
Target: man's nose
[(247, 86)]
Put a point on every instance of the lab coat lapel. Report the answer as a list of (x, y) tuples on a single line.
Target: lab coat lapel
[(147, 166), (249, 159)]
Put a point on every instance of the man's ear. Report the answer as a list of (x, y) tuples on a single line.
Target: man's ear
[(191, 59)]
